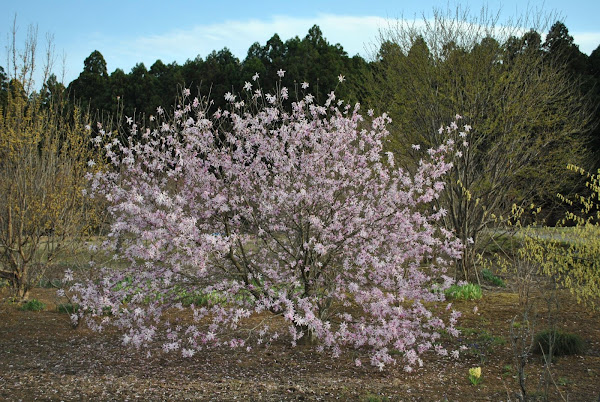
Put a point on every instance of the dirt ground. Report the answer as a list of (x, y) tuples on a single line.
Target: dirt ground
[(43, 358)]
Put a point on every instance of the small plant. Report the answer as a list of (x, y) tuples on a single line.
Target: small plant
[(469, 291), (507, 370), (493, 279), (563, 343), (475, 375), (562, 381), (68, 308), (202, 299), (197, 300), (498, 341), (33, 305), (480, 343), (372, 398)]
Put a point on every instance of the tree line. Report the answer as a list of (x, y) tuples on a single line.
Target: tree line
[(312, 59)]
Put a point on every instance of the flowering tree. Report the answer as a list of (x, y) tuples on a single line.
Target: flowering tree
[(43, 156), (283, 210)]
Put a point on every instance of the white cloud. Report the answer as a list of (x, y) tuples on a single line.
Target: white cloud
[(353, 33), (357, 35)]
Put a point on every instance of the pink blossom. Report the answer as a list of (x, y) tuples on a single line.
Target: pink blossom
[(282, 209)]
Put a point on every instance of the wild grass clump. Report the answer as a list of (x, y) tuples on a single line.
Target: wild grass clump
[(33, 305), (68, 308), (488, 276), (202, 299), (469, 291), (563, 343)]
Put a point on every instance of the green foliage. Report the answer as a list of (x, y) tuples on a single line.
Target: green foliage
[(563, 381), (563, 343), (493, 279), (33, 305), (201, 299), (372, 398), (469, 291), (68, 308), (507, 370), (312, 59)]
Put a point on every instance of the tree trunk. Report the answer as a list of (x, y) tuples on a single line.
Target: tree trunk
[(19, 282), (22, 285)]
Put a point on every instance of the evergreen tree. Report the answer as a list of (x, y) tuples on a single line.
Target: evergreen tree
[(92, 85)]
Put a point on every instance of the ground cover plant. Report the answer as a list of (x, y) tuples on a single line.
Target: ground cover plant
[(33, 305), (488, 276), (561, 343), (290, 208), (467, 291)]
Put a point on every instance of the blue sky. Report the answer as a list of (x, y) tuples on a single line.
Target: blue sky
[(128, 32)]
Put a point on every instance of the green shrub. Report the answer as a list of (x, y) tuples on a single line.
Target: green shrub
[(202, 299), (507, 370), (197, 300), (33, 305), (68, 308), (563, 343), (372, 398), (488, 276), (469, 291)]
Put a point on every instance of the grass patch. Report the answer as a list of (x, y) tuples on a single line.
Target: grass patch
[(33, 305), (488, 276), (507, 370), (372, 398), (67, 308), (469, 291), (563, 343), (202, 299)]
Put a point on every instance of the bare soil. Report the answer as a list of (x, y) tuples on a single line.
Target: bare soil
[(43, 358)]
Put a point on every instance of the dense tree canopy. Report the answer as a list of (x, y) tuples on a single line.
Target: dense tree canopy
[(91, 87), (525, 100), (311, 59)]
